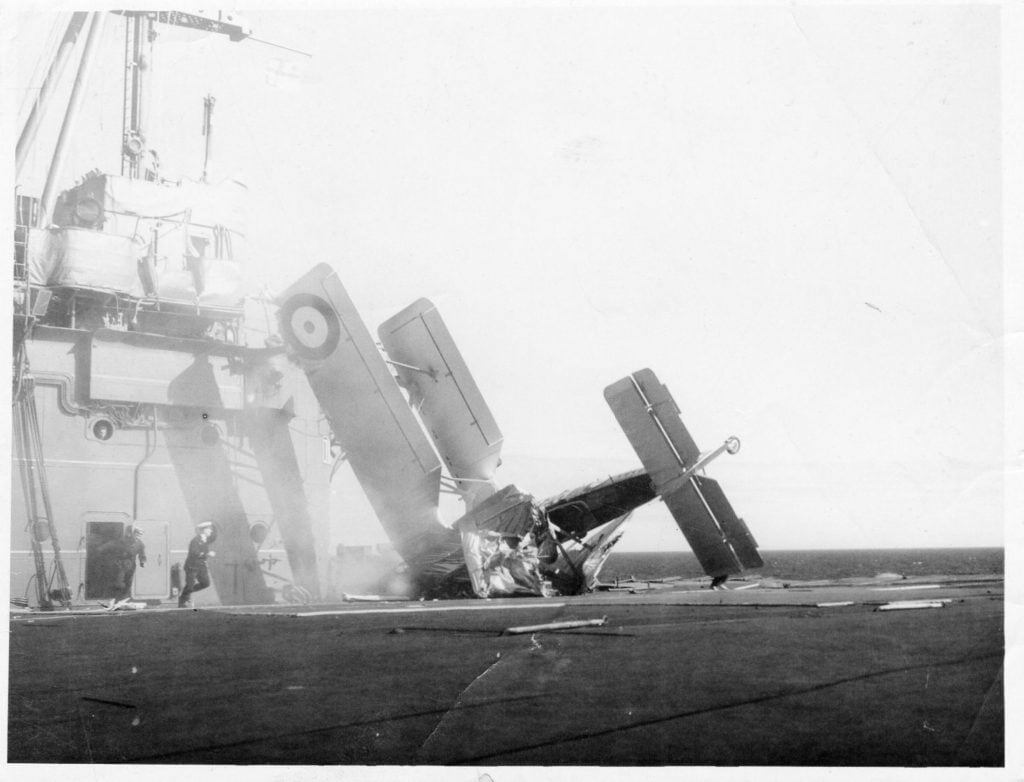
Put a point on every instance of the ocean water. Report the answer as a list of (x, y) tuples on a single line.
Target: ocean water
[(811, 565)]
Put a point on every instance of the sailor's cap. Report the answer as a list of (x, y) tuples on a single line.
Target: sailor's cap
[(204, 525)]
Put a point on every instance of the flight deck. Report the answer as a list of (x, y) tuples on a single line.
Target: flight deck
[(867, 672)]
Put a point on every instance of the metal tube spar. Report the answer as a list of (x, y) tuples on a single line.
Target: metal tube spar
[(74, 105), (53, 75), (731, 446)]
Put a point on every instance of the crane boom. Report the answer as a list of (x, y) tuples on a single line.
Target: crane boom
[(224, 22)]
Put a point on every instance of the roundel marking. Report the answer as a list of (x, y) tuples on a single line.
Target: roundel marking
[(310, 325)]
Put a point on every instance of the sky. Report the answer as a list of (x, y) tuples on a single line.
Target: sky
[(793, 214)]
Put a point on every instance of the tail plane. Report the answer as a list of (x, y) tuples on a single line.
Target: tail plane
[(650, 419)]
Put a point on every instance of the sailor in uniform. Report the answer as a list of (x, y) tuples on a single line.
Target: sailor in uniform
[(197, 575), (124, 554)]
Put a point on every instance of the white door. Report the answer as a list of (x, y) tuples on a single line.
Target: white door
[(153, 582)]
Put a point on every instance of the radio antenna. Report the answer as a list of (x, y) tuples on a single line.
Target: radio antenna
[(279, 46)]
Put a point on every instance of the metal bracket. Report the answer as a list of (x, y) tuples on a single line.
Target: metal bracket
[(731, 446), (431, 373)]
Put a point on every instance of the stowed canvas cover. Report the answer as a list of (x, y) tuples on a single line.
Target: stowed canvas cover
[(206, 205), (83, 258), (40, 254), (187, 239), (200, 230)]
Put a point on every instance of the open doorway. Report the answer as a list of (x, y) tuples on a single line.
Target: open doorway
[(102, 542), (104, 547)]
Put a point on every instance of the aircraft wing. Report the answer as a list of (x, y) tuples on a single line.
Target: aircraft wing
[(650, 418), (389, 453), (580, 510), (449, 402)]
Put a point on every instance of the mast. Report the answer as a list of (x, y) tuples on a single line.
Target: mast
[(74, 105), (140, 35), (53, 75)]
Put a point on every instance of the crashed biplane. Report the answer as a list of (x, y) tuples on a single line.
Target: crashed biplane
[(507, 542)]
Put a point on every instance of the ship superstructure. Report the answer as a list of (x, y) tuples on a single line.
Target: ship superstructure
[(140, 403), (136, 400)]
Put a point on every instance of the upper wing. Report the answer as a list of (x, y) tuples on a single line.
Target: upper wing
[(389, 453), (431, 367), (650, 418)]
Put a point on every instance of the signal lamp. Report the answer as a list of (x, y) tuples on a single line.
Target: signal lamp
[(88, 211), (134, 145), (103, 430)]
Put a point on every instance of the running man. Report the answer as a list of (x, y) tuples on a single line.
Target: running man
[(197, 575), (126, 552)]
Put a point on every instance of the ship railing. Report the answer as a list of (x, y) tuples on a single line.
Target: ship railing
[(26, 209)]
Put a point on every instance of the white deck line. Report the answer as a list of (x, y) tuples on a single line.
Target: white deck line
[(424, 609), (904, 588), (45, 616)]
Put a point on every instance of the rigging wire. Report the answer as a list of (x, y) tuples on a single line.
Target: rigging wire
[(46, 54), (279, 46)]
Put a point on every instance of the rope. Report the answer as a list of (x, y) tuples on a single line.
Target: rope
[(28, 491), (33, 474)]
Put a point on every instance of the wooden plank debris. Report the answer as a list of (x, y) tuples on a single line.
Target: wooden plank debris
[(905, 605), (556, 626)]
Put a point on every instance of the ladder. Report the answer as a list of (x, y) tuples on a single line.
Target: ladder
[(53, 589)]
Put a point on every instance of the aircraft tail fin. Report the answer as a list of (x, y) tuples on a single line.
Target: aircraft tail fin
[(735, 528), (650, 418)]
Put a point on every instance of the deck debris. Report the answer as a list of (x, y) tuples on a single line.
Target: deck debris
[(556, 626), (904, 605), (347, 598), (905, 588), (123, 605)]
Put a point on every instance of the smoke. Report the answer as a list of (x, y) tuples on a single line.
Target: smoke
[(360, 570)]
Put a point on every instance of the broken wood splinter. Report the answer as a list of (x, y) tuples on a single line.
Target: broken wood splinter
[(556, 626)]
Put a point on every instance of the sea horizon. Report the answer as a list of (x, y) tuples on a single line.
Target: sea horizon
[(835, 548), (816, 564)]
